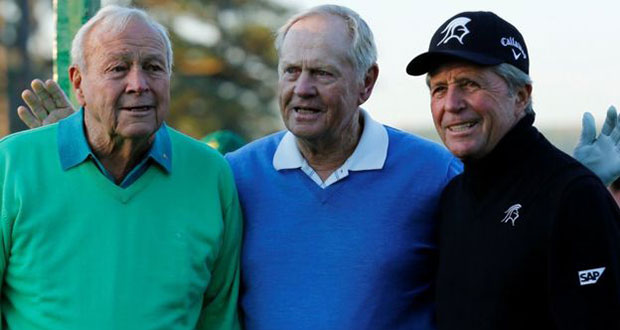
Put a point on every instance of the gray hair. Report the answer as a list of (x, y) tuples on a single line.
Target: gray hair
[(514, 78), (115, 19), (363, 53)]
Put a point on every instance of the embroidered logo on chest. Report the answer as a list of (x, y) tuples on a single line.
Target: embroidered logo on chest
[(512, 214)]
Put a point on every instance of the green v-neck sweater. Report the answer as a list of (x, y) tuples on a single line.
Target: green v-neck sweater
[(79, 252)]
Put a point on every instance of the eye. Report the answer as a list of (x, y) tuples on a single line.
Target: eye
[(290, 73), (291, 70), (322, 73), (438, 90), (469, 84), (118, 68), (154, 67)]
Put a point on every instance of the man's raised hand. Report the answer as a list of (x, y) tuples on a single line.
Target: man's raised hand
[(601, 154), (46, 102)]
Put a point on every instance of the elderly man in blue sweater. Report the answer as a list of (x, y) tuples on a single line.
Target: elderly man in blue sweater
[(339, 209)]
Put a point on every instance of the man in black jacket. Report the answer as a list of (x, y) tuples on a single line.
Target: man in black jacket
[(529, 238)]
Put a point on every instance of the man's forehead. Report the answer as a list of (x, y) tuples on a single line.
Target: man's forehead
[(319, 28), (144, 54), (319, 22), (457, 69), (135, 31), (111, 42), (314, 58), (317, 38)]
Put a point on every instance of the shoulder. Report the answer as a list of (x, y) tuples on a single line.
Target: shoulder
[(561, 170), (36, 135), (420, 153), (584, 189), (188, 152), (185, 142), (37, 142), (262, 148), (406, 141)]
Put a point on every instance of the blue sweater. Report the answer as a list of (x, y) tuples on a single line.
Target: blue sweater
[(360, 254)]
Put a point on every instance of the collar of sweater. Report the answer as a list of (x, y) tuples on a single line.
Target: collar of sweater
[(511, 154)]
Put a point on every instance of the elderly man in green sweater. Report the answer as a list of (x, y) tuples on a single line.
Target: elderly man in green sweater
[(99, 232)]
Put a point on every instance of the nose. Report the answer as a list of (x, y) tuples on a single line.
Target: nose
[(453, 100), (137, 81), (304, 85)]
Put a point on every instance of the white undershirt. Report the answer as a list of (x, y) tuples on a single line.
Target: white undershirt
[(369, 154)]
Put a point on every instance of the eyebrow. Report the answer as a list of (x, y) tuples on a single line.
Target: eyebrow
[(454, 81), (312, 66)]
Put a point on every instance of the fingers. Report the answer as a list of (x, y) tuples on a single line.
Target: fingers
[(588, 130), (610, 121), (57, 115), (615, 133), (58, 96), (27, 117), (47, 102), (34, 103), (43, 94)]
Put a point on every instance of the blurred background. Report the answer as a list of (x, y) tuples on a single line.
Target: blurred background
[(225, 65)]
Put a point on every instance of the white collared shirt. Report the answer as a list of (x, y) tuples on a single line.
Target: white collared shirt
[(369, 154)]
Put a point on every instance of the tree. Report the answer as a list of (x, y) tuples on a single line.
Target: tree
[(225, 64), (17, 24)]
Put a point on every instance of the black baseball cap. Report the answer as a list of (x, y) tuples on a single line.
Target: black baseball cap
[(480, 37)]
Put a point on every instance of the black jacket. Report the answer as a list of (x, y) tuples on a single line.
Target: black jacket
[(524, 236)]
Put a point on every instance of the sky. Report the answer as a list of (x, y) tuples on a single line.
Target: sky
[(574, 49)]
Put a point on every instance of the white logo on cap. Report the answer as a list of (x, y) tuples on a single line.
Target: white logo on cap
[(515, 44), (455, 29)]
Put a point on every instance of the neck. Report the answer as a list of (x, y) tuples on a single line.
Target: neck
[(326, 155), (117, 155)]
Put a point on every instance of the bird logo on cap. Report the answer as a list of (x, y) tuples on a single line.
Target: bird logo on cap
[(456, 29)]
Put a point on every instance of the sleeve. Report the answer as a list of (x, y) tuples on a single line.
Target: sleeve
[(584, 273), (220, 310)]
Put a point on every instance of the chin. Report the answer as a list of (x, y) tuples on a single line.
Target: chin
[(138, 133), (463, 151), (303, 132)]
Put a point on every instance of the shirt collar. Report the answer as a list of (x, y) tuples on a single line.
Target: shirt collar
[(369, 154), (73, 147)]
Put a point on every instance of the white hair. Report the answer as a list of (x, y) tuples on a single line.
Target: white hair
[(363, 51), (115, 19), (515, 79)]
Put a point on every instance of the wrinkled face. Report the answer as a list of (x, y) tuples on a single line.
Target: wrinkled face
[(125, 85), (473, 108), (319, 92)]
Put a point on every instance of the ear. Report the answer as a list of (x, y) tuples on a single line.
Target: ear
[(370, 78), (75, 76), (524, 96)]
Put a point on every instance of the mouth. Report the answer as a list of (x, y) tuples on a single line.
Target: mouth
[(138, 109), (305, 110), (462, 127)]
